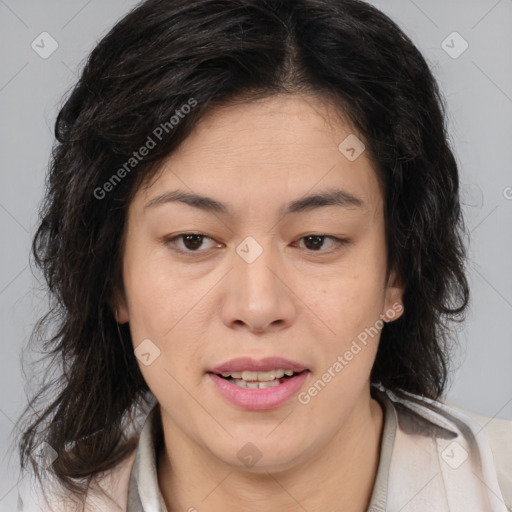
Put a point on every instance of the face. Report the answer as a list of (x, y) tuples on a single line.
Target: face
[(259, 270)]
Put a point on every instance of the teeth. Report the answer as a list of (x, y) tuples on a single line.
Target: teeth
[(254, 385), (249, 376), (235, 375)]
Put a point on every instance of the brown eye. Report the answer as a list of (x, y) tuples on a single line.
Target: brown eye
[(315, 243), (191, 242)]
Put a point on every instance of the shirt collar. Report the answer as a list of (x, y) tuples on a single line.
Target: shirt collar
[(144, 494)]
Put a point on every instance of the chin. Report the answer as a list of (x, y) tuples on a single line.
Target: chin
[(259, 455)]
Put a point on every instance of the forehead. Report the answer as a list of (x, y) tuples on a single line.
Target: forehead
[(281, 126), (285, 146)]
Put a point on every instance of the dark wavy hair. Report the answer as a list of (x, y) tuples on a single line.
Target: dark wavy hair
[(150, 64)]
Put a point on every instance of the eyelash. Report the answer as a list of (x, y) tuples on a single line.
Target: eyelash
[(340, 242)]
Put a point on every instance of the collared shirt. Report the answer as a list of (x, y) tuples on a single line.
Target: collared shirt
[(433, 458)]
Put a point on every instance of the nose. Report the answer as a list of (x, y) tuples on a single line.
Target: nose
[(258, 294)]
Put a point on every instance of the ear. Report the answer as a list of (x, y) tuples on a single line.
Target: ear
[(119, 307), (393, 302)]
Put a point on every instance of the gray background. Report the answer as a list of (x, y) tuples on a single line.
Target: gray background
[(477, 86)]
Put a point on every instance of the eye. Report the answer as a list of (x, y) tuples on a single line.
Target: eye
[(191, 242), (314, 242)]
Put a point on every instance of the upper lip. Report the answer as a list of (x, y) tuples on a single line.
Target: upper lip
[(258, 365)]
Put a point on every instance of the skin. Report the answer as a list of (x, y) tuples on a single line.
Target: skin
[(299, 300)]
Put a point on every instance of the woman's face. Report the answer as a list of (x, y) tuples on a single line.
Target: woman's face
[(258, 284)]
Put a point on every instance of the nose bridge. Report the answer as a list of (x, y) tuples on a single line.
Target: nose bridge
[(256, 295), (253, 270)]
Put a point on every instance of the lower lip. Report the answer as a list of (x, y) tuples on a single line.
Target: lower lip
[(258, 399)]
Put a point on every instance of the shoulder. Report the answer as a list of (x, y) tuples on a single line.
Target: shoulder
[(498, 433), (468, 456), (108, 492), (112, 490)]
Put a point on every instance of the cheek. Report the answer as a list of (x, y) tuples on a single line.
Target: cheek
[(164, 305), (157, 295), (350, 304), (352, 307), (352, 298)]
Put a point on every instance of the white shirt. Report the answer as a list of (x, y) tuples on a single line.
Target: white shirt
[(433, 458)]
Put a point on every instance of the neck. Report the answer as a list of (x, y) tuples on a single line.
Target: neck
[(343, 471)]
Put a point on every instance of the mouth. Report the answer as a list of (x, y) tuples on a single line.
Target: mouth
[(246, 391)]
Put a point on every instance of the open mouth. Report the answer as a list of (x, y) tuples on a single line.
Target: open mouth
[(259, 390), (263, 380)]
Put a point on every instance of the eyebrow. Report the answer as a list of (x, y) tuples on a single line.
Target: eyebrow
[(332, 197)]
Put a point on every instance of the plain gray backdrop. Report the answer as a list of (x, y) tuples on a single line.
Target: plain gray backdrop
[(477, 84)]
